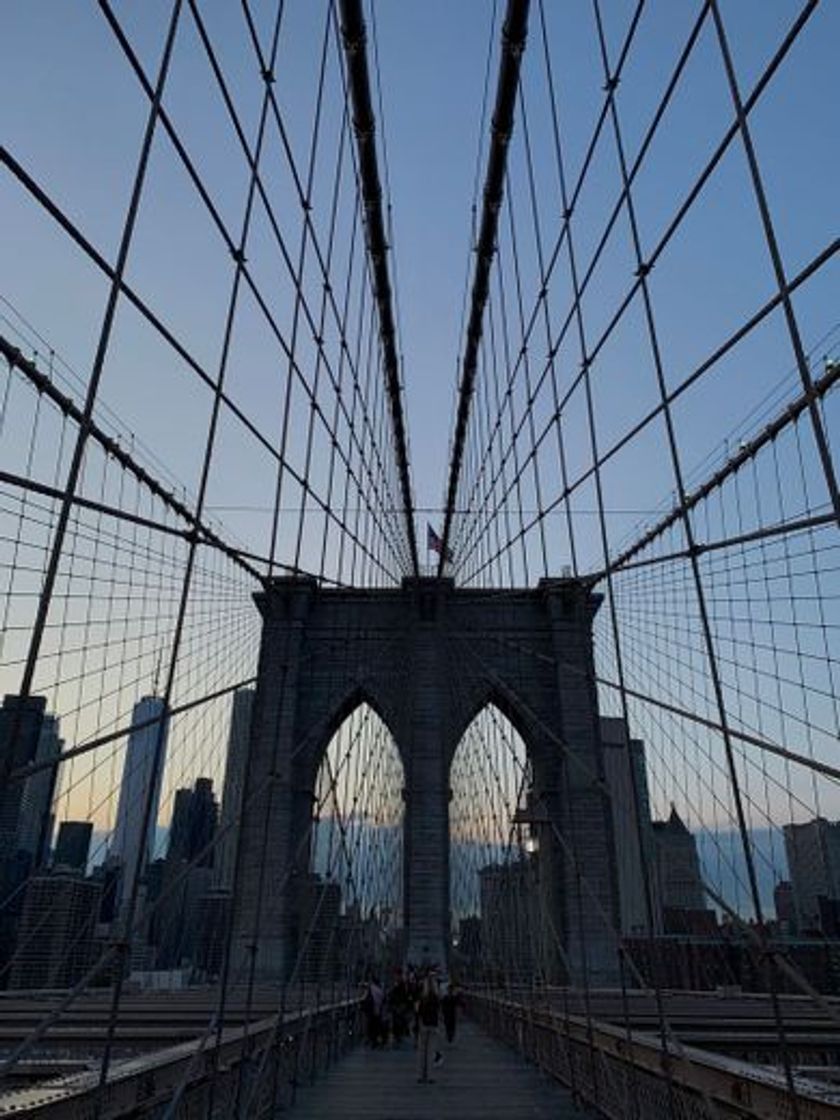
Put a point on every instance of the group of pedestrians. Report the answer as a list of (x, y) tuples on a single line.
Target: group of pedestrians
[(415, 1005)]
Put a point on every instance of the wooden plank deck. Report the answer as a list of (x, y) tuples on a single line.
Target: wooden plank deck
[(479, 1080)]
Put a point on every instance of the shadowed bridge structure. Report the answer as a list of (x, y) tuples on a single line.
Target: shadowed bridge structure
[(325, 652), (258, 758)]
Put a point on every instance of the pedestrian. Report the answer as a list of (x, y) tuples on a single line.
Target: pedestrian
[(372, 1007), (399, 1005), (449, 1004), (414, 988), (428, 1012)]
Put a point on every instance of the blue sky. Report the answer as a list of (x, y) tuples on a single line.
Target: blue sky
[(72, 114)]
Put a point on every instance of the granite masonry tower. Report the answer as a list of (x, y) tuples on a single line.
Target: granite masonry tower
[(427, 657)]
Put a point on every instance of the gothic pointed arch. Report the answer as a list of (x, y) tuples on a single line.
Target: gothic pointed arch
[(491, 694), (356, 695)]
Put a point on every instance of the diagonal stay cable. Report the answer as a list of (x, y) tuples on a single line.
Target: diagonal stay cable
[(673, 225), (230, 242), (154, 320), (762, 743), (761, 314), (112, 447), (108, 954)]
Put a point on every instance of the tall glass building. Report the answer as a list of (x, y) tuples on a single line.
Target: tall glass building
[(138, 772)]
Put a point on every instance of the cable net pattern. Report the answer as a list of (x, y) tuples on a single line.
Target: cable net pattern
[(645, 405), (162, 459)]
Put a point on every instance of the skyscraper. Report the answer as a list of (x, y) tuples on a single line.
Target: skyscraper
[(174, 930), (36, 821), (179, 827), (785, 909), (238, 740), (195, 816), (212, 920), (72, 847), (511, 918), (56, 931), (632, 866), (204, 820), (813, 854), (140, 783), (678, 866), (20, 721), (20, 730)]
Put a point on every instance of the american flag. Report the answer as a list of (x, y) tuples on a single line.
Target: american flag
[(435, 544)]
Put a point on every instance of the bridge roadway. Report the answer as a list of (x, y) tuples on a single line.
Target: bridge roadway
[(480, 1079), (148, 1020), (740, 1025), (160, 1039), (160, 1045)]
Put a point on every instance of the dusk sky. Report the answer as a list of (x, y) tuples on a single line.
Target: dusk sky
[(72, 113)]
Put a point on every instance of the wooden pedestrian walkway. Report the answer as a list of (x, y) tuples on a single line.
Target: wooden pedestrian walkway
[(479, 1080)]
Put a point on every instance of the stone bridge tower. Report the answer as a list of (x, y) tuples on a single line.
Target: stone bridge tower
[(427, 657)]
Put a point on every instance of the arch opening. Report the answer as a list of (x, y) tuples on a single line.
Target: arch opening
[(497, 910), (351, 906)]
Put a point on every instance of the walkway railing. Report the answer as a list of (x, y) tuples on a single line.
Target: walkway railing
[(625, 1073), (253, 1070)]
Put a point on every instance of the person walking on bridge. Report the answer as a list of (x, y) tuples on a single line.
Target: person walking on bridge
[(450, 1001), (428, 1012), (373, 1004)]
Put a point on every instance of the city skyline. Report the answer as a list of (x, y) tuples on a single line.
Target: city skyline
[(721, 850)]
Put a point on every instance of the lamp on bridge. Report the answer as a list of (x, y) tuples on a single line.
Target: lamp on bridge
[(535, 818)]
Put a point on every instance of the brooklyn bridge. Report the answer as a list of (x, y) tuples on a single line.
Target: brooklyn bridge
[(420, 648)]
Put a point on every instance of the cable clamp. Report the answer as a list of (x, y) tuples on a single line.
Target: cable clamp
[(515, 47), (268, 76), (611, 84), (502, 132), (353, 43), (643, 269), (239, 255)]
